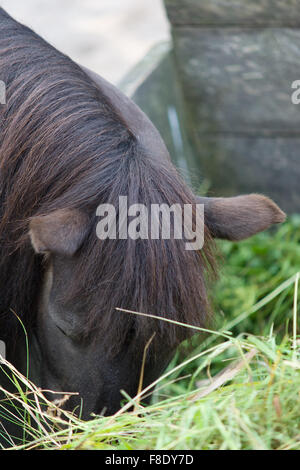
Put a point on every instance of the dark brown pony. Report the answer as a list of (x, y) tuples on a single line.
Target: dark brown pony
[(69, 142)]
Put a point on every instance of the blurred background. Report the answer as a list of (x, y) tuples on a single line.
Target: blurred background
[(108, 36)]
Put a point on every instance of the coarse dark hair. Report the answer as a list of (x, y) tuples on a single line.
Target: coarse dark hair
[(63, 145)]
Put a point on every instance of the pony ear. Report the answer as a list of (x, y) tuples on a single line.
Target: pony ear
[(237, 218), (61, 232)]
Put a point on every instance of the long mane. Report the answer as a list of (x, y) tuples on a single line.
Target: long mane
[(64, 146)]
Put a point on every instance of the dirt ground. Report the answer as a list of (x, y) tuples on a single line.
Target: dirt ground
[(108, 36)]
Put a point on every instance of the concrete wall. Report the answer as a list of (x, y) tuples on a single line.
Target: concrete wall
[(236, 62)]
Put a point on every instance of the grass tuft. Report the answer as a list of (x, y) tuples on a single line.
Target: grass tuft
[(237, 389)]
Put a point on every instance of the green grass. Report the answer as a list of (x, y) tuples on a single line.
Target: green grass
[(239, 390)]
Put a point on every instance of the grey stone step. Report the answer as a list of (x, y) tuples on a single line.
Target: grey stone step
[(240, 80), (270, 166), (233, 12)]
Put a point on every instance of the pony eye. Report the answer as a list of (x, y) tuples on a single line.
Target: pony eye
[(70, 331), (61, 329), (65, 322)]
